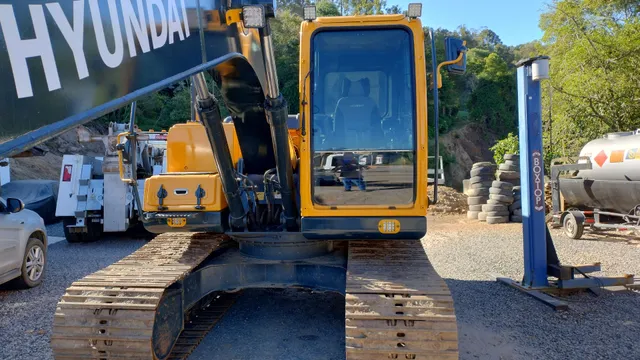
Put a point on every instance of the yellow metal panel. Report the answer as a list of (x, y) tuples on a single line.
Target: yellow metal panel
[(181, 192), (188, 148), (419, 208)]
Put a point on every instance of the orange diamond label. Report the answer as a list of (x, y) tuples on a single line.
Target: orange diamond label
[(600, 158)]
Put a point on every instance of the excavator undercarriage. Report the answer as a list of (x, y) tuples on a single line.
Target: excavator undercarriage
[(396, 305)]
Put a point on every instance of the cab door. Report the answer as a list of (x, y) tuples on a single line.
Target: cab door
[(10, 231)]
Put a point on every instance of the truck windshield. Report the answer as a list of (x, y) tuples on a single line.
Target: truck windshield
[(363, 118)]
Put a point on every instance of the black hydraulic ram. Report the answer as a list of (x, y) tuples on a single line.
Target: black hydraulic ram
[(276, 112), (209, 112)]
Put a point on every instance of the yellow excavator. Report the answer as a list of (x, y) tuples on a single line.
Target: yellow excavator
[(332, 199)]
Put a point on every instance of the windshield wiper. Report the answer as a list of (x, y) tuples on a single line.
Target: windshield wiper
[(304, 102)]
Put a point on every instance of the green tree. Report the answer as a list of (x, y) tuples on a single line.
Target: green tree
[(508, 145), (286, 43), (327, 8), (493, 98), (594, 47)]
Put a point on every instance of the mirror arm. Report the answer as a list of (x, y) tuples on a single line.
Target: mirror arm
[(451, 62)]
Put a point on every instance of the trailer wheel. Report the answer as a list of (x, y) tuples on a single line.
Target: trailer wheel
[(572, 228)]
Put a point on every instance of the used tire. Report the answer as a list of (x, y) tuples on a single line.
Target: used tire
[(472, 214), (482, 164), (482, 171), (475, 207), (33, 264), (493, 208), (495, 202), (479, 179), (482, 216), (512, 162), (481, 185), (508, 175), (517, 212), (511, 156), (517, 188), (516, 218), (477, 200), (503, 198), (478, 192), (505, 167), (500, 191), (497, 219), (515, 205), (497, 213), (502, 185)]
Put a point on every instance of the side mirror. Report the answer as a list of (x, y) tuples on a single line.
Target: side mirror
[(14, 205), (453, 47)]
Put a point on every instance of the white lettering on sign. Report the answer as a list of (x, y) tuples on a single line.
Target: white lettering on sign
[(139, 26), (109, 41), (20, 50), (73, 35), (538, 182)]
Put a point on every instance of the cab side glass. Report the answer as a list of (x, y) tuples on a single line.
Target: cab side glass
[(453, 47), (14, 205)]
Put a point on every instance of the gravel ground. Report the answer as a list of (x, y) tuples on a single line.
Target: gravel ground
[(494, 321), (55, 230), (26, 316)]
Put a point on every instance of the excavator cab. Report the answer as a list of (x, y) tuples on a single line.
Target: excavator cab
[(364, 103)]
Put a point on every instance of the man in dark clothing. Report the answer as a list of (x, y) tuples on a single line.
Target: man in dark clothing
[(351, 172)]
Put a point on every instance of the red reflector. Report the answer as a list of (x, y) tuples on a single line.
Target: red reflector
[(66, 175)]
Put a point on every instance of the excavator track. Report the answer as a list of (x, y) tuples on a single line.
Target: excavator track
[(396, 305), (111, 313), (201, 320)]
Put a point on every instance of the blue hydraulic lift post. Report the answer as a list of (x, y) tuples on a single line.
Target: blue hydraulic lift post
[(532, 176)]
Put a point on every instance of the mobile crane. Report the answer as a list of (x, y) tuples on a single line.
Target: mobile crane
[(238, 206)]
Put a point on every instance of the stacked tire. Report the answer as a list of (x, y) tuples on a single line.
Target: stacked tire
[(516, 207), (509, 171), (496, 210), (482, 176)]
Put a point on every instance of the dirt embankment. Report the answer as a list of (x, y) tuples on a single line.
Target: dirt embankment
[(468, 144), (48, 167)]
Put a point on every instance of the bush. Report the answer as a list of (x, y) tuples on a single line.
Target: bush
[(508, 145)]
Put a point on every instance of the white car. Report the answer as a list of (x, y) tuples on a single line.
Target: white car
[(23, 244)]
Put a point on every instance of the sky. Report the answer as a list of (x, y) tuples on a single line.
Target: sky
[(515, 21)]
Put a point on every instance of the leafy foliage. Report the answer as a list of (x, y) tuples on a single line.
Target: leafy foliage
[(594, 47), (508, 145)]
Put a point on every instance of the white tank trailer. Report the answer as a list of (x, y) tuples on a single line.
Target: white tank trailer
[(613, 182), (607, 194)]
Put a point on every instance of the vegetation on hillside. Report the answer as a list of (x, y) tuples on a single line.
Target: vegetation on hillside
[(594, 47)]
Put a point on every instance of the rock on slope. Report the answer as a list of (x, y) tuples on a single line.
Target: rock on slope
[(468, 145), (48, 167)]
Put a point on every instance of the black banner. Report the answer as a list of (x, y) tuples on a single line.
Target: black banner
[(67, 62)]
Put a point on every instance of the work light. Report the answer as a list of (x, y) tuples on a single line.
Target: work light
[(253, 16), (309, 12), (414, 10)]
